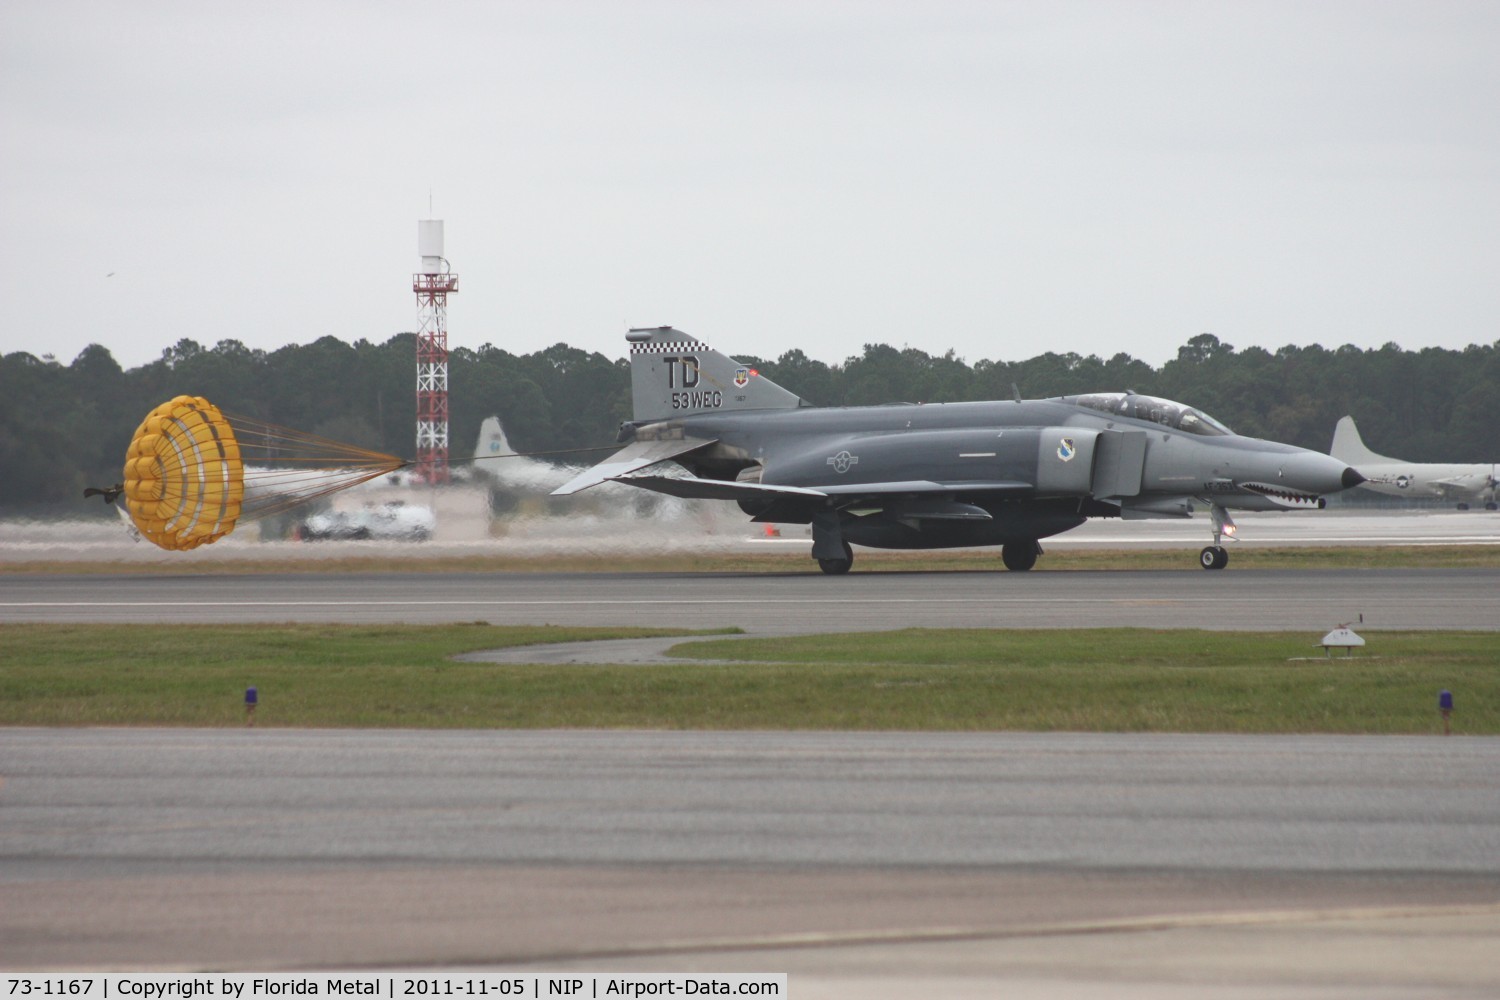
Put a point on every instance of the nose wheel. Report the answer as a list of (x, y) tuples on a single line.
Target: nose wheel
[(1215, 556)]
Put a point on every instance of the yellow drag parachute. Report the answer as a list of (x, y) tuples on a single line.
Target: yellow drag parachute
[(188, 478), (184, 479)]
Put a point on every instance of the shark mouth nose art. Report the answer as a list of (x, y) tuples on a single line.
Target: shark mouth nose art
[(1285, 497)]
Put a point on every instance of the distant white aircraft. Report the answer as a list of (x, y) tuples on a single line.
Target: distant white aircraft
[(497, 460), (1459, 483)]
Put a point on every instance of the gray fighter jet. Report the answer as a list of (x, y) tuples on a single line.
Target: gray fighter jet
[(942, 475)]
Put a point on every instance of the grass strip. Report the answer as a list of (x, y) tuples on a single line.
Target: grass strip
[(1093, 680)]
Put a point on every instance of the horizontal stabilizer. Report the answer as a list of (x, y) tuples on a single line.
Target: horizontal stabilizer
[(634, 456)]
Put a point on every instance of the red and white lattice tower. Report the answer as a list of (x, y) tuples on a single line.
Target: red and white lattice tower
[(432, 285)]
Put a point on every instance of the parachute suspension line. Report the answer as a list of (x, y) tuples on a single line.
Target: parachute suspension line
[(279, 497), (275, 443), (287, 467)]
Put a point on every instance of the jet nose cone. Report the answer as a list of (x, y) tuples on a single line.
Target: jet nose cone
[(1311, 472)]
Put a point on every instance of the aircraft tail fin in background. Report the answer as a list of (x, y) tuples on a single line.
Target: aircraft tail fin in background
[(673, 374), (492, 440), (1348, 447)]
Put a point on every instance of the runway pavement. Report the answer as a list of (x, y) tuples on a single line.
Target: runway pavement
[(723, 530), (866, 864), (780, 603)]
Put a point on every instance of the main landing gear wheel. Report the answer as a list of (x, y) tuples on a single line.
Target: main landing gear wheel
[(1019, 556), (838, 567), (1213, 557)]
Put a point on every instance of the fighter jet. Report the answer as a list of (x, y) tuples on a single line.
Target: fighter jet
[(1458, 482), (941, 475)]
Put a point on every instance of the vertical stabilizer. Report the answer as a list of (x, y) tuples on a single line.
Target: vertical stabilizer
[(492, 440), (673, 374), (1350, 449)]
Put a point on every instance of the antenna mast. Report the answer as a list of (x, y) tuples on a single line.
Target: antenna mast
[(432, 285)]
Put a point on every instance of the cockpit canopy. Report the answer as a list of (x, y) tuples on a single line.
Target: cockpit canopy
[(1152, 408)]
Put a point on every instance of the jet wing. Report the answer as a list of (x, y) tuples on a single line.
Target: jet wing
[(1461, 484), (637, 455), (921, 486), (719, 489), (692, 488)]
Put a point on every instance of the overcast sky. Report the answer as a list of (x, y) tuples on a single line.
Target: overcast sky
[(1001, 179)]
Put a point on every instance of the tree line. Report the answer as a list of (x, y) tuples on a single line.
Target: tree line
[(64, 427)]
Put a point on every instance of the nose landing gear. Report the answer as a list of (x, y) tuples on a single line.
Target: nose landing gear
[(1215, 556)]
